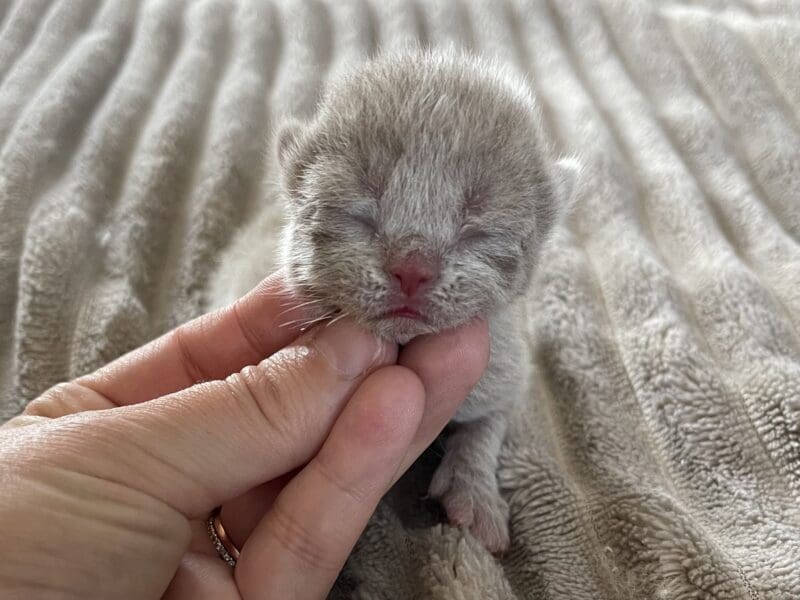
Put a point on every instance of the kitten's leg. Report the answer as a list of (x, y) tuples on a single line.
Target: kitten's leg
[(466, 482)]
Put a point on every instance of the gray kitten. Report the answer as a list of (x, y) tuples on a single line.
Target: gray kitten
[(417, 199)]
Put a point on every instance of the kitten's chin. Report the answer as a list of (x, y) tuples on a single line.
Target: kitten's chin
[(401, 330)]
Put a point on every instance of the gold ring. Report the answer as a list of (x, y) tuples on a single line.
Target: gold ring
[(222, 543)]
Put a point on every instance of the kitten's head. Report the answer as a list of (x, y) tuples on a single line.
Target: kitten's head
[(419, 195)]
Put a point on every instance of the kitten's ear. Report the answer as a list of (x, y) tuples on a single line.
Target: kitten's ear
[(567, 172), (294, 153), (565, 175), (288, 141)]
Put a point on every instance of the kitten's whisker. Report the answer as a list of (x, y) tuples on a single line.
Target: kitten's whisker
[(341, 316), (307, 303), (299, 306), (291, 304), (305, 323)]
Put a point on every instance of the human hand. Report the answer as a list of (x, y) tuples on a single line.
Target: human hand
[(107, 480)]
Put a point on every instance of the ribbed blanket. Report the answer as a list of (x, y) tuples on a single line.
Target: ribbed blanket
[(659, 453)]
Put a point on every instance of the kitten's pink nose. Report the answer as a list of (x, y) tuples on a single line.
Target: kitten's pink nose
[(413, 272)]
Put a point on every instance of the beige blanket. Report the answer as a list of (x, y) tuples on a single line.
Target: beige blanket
[(660, 453)]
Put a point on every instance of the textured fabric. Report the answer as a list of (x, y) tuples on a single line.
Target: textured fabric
[(659, 454)]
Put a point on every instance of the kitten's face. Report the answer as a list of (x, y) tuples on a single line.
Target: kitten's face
[(418, 196)]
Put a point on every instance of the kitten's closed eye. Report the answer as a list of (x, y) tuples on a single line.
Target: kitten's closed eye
[(365, 220), (471, 234), (505, 263)]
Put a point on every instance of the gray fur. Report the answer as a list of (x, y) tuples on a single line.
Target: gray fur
[(439, 153), (434, 152)]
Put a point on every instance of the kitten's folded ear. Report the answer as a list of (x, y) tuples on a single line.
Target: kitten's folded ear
[(288, 141), (293, 152), (567, 172)]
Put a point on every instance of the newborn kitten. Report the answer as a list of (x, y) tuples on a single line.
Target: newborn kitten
[(417, 199)]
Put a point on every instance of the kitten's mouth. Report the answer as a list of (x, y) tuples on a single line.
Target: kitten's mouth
[(402, 324), (405, 312)]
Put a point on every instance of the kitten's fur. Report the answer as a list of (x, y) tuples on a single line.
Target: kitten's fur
[(435, 152)]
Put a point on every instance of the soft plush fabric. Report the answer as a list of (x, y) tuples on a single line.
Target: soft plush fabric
[(659, 453)]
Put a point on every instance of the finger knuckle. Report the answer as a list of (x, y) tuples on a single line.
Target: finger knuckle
[(257, 389), (49, 402), (297, 539), (357, 494), (272, 395), (192, 366), (252, 337), (259, 384)]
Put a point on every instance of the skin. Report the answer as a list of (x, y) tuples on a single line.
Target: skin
[(433, 155), (107, 479)]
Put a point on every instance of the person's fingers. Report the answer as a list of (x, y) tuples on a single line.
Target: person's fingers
[(242, 514), (63, 399), (199, 447), (206, 348), (449, 364), (299, 547), (202, 577)]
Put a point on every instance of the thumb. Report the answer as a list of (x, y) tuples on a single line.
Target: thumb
[(203, 445)]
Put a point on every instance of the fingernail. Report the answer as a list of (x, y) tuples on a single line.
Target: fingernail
[(350, 349)]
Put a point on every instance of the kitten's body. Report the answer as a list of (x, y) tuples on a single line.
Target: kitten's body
[(420, 159)]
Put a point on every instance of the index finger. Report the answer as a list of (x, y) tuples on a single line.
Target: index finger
[(301, 544), (448, 364), (209, 347)]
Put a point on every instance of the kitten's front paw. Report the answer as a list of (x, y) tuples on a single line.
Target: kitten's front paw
[(472, 500)]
